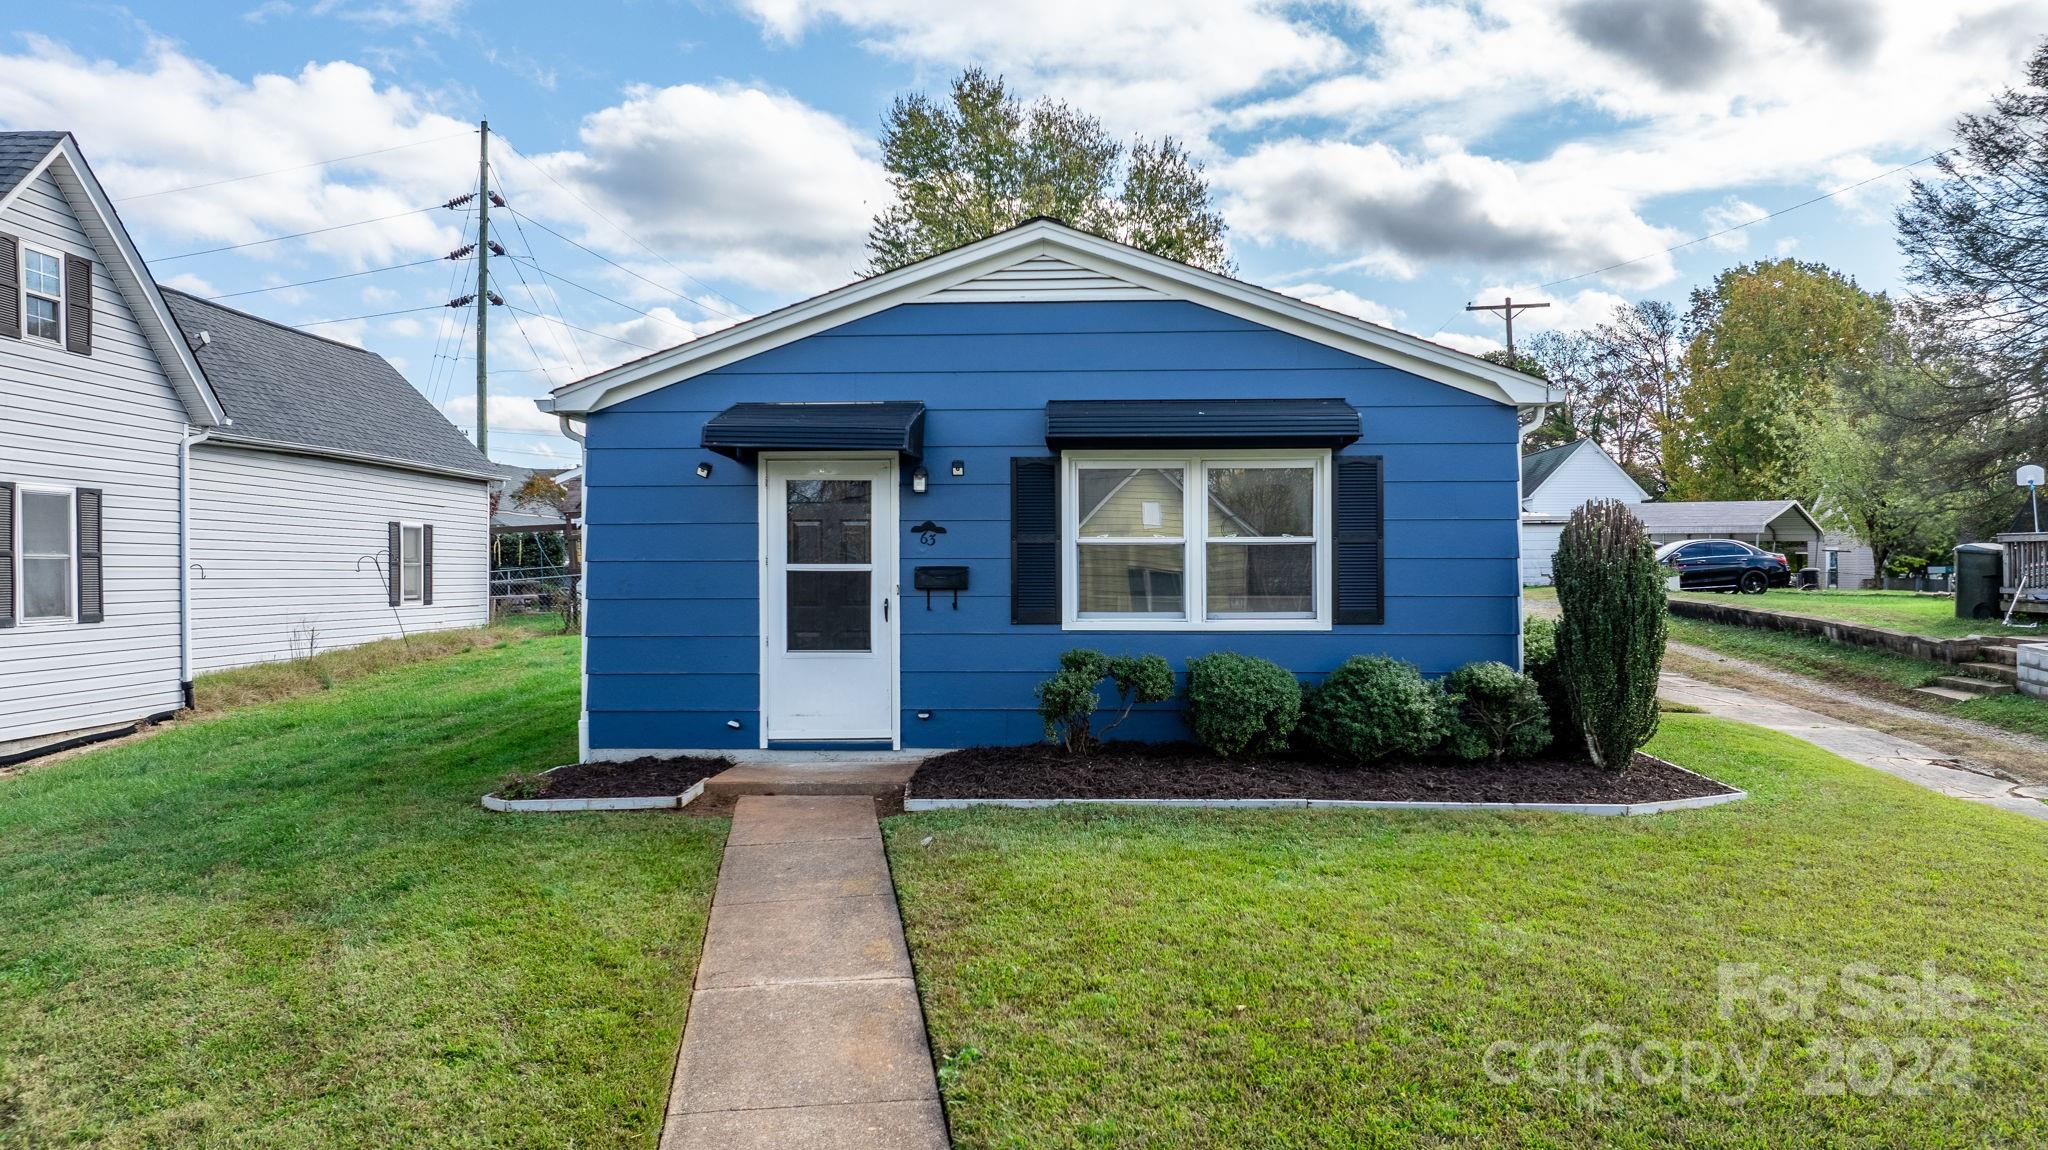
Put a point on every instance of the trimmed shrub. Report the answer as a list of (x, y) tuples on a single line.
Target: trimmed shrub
[(1497, 712), (1138, 679), (1610, 643), (1539, 662), (1239, 705), (1373, 707), (1068, 701)]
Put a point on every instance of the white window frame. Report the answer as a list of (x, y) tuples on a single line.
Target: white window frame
[(413, 535), (1195, 539), (21, 556), (21, 277)]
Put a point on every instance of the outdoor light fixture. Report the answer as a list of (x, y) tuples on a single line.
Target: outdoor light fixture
[(733, 723), (918, 480), (959, 468), (926, 715), (704, 470)]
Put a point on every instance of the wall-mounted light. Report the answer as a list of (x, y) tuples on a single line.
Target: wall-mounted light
[(925, 715), (733, 723), (959, 468), (704, 470), (919, 480)]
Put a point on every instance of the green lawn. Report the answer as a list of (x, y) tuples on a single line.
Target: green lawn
[(292, 926), (1930, 615), (1878, 673), (1268, 979)]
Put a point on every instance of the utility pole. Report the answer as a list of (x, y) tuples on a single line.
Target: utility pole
[(1508, 311), (483, 285)]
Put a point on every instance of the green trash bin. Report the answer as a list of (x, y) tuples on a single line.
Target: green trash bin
[(1979, 567)]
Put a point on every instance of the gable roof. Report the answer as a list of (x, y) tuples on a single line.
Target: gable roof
[(58, 154), (1538, 466), (288, 388), (1718, 517), (1029, 243), (21, 153)]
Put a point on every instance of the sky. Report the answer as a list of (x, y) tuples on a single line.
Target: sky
[(673, 167)]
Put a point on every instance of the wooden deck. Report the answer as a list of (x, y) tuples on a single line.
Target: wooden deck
[(2026, 570)]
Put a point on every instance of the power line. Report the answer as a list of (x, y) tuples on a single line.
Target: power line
[(584, 330), (608, 299), (373, 315), (298, 235), (531, 349), (329, 279), (281, 171), (629, 271), (1750, 223), (629, 235), (527, 243)]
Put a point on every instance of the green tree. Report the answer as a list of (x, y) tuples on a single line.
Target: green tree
[(1621, 381), (979, 161), (1769, 342)]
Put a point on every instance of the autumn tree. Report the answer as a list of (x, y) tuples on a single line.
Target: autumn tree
[(1620, 381), (1769, 341), (977, 161)]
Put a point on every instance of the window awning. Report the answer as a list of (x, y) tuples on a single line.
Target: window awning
[(744, 430), (1111, 423)]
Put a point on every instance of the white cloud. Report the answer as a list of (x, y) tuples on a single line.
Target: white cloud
[(508, 413), (1731, 213), (190, 284), (742, 183), (1140, 64), (1460, 341), (1399, 212), (1584, 308), (1350, 303)]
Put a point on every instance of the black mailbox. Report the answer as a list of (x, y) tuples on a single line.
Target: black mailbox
[(930, 579)]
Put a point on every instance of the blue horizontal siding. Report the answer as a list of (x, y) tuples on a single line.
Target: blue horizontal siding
[(673, 649)]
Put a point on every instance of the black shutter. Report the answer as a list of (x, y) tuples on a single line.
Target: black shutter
[(394, 549), (1361, 511), (10, 287), (6, 554), (92, 590), (427, 563), (1035, 540), (78, 305)]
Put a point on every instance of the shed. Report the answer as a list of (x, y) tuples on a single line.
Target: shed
[(1781, 525)]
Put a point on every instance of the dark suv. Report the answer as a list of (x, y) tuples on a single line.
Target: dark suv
[(1724, 565)]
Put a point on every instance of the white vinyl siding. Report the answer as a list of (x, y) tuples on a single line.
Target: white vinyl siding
[(1588, 475), (111, 421), (1041, 279), (291, 554)]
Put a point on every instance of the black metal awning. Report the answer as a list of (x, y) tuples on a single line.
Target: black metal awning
[(1112, 423), (744, 430)]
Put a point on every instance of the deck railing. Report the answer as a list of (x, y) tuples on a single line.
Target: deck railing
[(2026, 564)]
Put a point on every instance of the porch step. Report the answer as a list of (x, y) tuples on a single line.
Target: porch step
[(2003, 653), (884, 782), (1946, 695), (1968, 687), (1996, 672)]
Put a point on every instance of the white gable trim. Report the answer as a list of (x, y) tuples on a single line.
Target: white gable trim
[(1043, 279), (124, 265), (929, 278), (1579, 449)]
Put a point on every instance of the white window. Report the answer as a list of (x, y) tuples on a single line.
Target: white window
[(410, 562), (1216, 541), (42, 295), (49, 546)]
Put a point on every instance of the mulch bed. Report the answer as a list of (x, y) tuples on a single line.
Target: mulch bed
[(646, 777), (1186, 771)]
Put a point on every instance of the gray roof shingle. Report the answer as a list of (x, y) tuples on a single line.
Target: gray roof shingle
[(285, 386), (20, 152), (1726, 517), (1538, 466)]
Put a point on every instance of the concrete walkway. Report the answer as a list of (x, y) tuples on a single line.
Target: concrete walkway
[(1888, 753), (805, 1029)]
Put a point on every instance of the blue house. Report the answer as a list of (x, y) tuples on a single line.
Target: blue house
[(875, 518)]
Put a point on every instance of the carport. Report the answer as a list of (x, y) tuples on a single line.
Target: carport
[(1780, 525)]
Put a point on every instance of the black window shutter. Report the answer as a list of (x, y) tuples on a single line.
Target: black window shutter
[(10, 287), (394, 568), (1035, 539), (6, 554), (1361, 513), (427, 563), (92, 589), (77, 305)]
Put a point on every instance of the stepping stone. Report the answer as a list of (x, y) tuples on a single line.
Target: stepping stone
[(857, 1126), (806, 1044), (782, 872), (762, 819), (812, 940)]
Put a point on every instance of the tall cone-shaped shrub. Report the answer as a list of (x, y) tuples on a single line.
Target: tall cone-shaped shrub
[(1610, 643)]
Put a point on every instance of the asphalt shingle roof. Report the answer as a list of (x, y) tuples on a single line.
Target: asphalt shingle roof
[(1728, 517), (281, 385), (1538, 466), (20, 152)]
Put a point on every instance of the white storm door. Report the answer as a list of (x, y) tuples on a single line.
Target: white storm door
[(829, 667)]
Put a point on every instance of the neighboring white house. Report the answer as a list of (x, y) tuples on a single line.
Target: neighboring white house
[(1557, 481), (172, 502)]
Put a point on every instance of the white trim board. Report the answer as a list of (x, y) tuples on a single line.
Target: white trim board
[(1621, 809), (1038, 239)]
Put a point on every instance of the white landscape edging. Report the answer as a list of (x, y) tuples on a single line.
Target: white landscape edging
[(1647, 808), (650, 803)]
